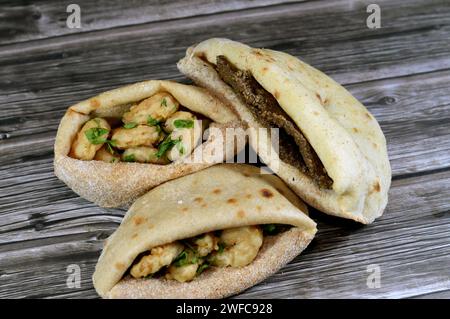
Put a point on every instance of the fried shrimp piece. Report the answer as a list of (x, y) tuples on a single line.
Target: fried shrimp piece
[(138, 136), (185, 266), (180, 119), (90, 139), (242, 244), (206, 244), (159, 257), (143, 154), (156, 108), (182, 273), (104, 155)]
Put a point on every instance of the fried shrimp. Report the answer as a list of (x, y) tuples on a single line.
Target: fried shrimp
[(138, 136), (242, 244), (185, 266), (154, 109), (143, 154), (181, 119), (105, 155), (90, 139), (206, 244), (159, 257)]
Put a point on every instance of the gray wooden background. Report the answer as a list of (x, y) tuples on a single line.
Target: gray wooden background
[(401, 72)]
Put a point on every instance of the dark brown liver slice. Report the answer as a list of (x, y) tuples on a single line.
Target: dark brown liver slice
[(269, 114)]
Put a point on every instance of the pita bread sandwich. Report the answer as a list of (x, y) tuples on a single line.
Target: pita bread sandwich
[(114, 147), (210, 234), (331, 150)]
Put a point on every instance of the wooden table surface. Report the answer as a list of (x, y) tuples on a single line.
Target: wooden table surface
[(401, 72)]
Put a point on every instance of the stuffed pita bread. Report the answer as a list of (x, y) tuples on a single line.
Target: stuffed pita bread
[(332, 152), (210, 234), (114, 147)]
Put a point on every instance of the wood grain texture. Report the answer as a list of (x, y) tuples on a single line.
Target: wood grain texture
[(401, 72), (31, 20)]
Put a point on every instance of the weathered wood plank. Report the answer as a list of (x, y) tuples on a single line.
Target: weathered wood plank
[(444, 294), (25, 21), (411, 245)]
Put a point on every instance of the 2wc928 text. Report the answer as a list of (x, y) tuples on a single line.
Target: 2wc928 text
[(225, 308)]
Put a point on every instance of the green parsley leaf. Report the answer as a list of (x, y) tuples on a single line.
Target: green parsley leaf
[(164, 102), (166, 145), (270, 229), (222, 247), (109, 145), (202, 267), (152, 122), (94, 135), (113, 160), (181, 259), (112, 142), (130, 125), (186, 257), (183, 123), (129, 158)]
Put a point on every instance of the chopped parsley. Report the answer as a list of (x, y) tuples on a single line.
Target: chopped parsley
[(166, 145), (152, 122), (181, 148), (95, 135), (164, 102), (222, 247), (109, 145), (130, 125), (202, 267), (185, 258), (183, 123), (129, 158), (273, 229)]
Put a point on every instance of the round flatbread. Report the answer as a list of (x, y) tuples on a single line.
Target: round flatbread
[(345, 136), (217, 198)]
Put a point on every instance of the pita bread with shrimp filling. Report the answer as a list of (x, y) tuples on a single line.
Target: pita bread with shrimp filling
[(210, 234), (332, 152), (114, 147)]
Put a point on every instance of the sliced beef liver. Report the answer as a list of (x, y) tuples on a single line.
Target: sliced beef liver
[(268, 112)]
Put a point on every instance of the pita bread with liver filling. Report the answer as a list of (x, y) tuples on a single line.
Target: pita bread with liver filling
[(196, 204), (119, 184), (345, 136)]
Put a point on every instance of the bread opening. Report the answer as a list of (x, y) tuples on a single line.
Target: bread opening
[(294, 148)]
